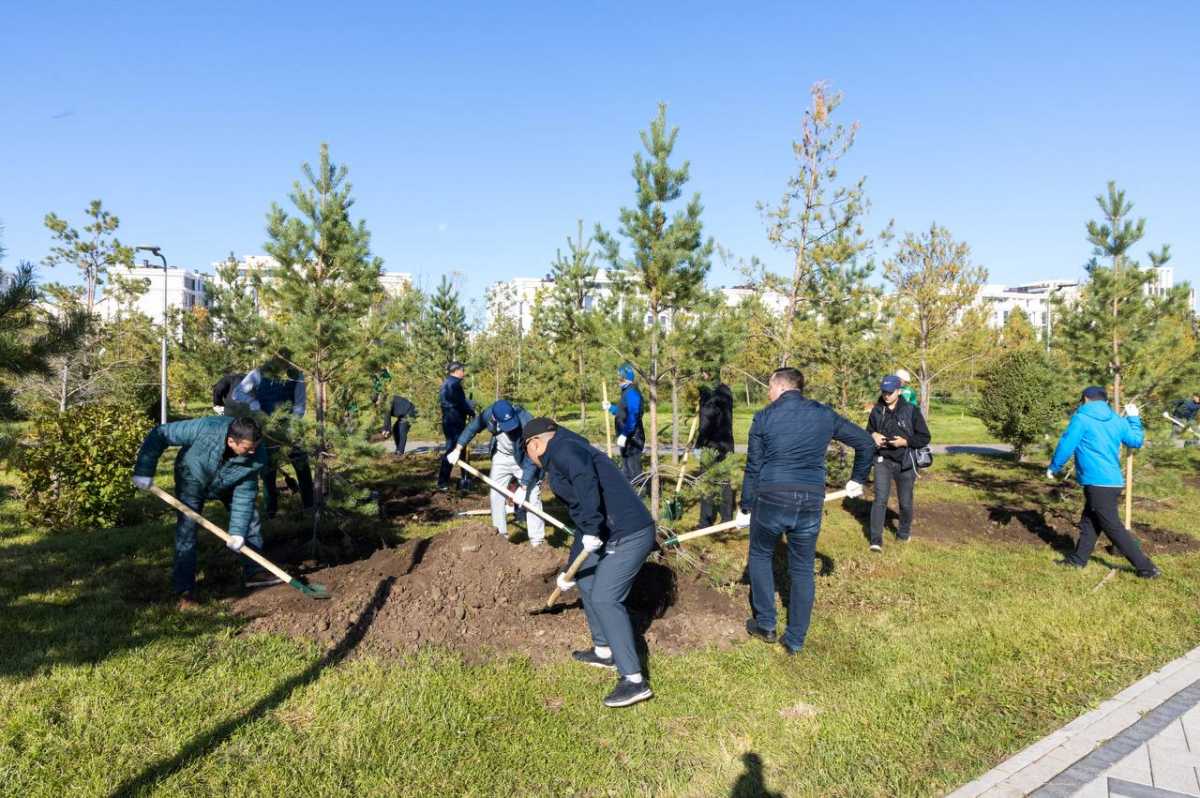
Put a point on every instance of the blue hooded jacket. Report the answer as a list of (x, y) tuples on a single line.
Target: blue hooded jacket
[(1094, 437)]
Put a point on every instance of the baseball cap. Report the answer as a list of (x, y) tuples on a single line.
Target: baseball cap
[(505, 415), (539, 426), (889, 383)]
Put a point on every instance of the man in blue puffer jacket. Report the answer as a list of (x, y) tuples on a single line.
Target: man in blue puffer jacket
[(1094, 437), (631, 436)]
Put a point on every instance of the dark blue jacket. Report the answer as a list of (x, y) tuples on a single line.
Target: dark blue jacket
[(530, 473), (628, 411), (788, 440), (598, 496), (1185, 410), (453, 399)]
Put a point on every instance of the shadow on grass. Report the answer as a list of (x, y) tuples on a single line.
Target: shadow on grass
[(208, 741), (751, 783)]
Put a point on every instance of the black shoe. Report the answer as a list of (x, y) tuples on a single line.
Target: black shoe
[(1153, 573), (627, 692), (589, 657), (754, 630), (1065, 563)]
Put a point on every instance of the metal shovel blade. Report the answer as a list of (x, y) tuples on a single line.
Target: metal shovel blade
[(310, 589)]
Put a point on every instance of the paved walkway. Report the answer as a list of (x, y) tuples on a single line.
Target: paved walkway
[(1144, 742)]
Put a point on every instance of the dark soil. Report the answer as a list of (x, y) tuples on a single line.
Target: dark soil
[(469, 590), (999, 523)]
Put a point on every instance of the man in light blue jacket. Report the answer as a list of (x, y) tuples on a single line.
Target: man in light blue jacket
[(1094, 437)]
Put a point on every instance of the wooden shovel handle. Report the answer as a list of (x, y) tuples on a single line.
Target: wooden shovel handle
[(506, 492), (607, 419), (712, 530), (221, 533), (570, 575)]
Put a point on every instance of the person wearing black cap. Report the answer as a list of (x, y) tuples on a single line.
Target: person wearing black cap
[(783, 493), (1094, 437), (504, 420), (613, 525), (455, 412), (898, 428)]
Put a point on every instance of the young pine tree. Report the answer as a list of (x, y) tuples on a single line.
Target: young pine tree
[(566, 318), (669, 259), (324, 284)]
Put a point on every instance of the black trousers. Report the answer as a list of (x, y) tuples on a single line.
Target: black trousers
[(1100, 515), (400, 435), (631, 462), (888, 472), (451, 431), (299, 460)]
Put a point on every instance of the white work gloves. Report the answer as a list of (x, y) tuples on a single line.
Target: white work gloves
[(235, 542), (742, 520), (1132, 410), (853, 489), (621, 441), (607, 406), (454, 454), (1050, 475), (563, 583), (143, 483), (591, 543), (218, 410), (519, 495)]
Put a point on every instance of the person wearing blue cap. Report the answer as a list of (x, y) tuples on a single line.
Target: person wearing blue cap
[(631, 437), (505, 421), (898, 429), (1094, 437)]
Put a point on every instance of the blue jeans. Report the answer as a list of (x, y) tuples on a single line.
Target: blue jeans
[(183, 572), (798, 516), (604, 582)]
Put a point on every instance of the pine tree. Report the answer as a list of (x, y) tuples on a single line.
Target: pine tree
[(94, 251), (818, 220), (844, 335), (1119, 329), (443, 329), (324, 284), (936, 282), (29, 337), (670, 257), (237, 323), (566, 317)]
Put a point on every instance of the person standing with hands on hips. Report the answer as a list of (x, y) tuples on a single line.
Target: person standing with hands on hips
[(631, 437), (897, 427), (783, 493), (615, 528), (1094, 437)]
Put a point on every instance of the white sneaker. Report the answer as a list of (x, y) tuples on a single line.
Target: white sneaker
[(536, 543), (876, 547)]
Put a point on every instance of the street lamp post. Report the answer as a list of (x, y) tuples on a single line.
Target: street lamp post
[(163, 356)]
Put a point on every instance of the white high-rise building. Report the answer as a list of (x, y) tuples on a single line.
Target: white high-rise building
[(184, 289)]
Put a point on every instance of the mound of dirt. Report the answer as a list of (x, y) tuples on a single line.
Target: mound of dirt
[(470, 590)]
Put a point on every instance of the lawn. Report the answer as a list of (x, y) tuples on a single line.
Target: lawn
[(925, 666)]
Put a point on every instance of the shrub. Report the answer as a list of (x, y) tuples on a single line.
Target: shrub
[(75, 467), (1023, 400)]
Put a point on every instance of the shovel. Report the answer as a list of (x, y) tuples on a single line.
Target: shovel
[(712, 530), (313, 591), (607, 420), (578, 562), (673, 509)]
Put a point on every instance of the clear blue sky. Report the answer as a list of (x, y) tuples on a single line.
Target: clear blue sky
[(476, 134)]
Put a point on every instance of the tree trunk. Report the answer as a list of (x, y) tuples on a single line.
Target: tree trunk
[(674, 419), (582, 391), (319, 475), (747, 393), (652, 438), (62, 395)]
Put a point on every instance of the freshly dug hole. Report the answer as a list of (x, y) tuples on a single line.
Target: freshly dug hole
[(470, 590)]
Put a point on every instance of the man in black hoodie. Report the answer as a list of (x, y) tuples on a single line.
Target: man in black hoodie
[(898, 428), (716, 433)]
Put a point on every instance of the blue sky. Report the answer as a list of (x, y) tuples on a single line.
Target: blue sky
[(477, 134)]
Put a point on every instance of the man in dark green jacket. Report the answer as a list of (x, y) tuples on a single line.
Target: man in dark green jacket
[(219, 458)]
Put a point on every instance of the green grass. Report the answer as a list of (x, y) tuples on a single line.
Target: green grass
[(925, 666)]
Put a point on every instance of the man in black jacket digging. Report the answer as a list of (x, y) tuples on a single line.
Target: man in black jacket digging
[(783, 493), (617, 530), (898, 428)]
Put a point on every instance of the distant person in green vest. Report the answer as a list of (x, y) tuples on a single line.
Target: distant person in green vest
[(219, 458), (907, 392)]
